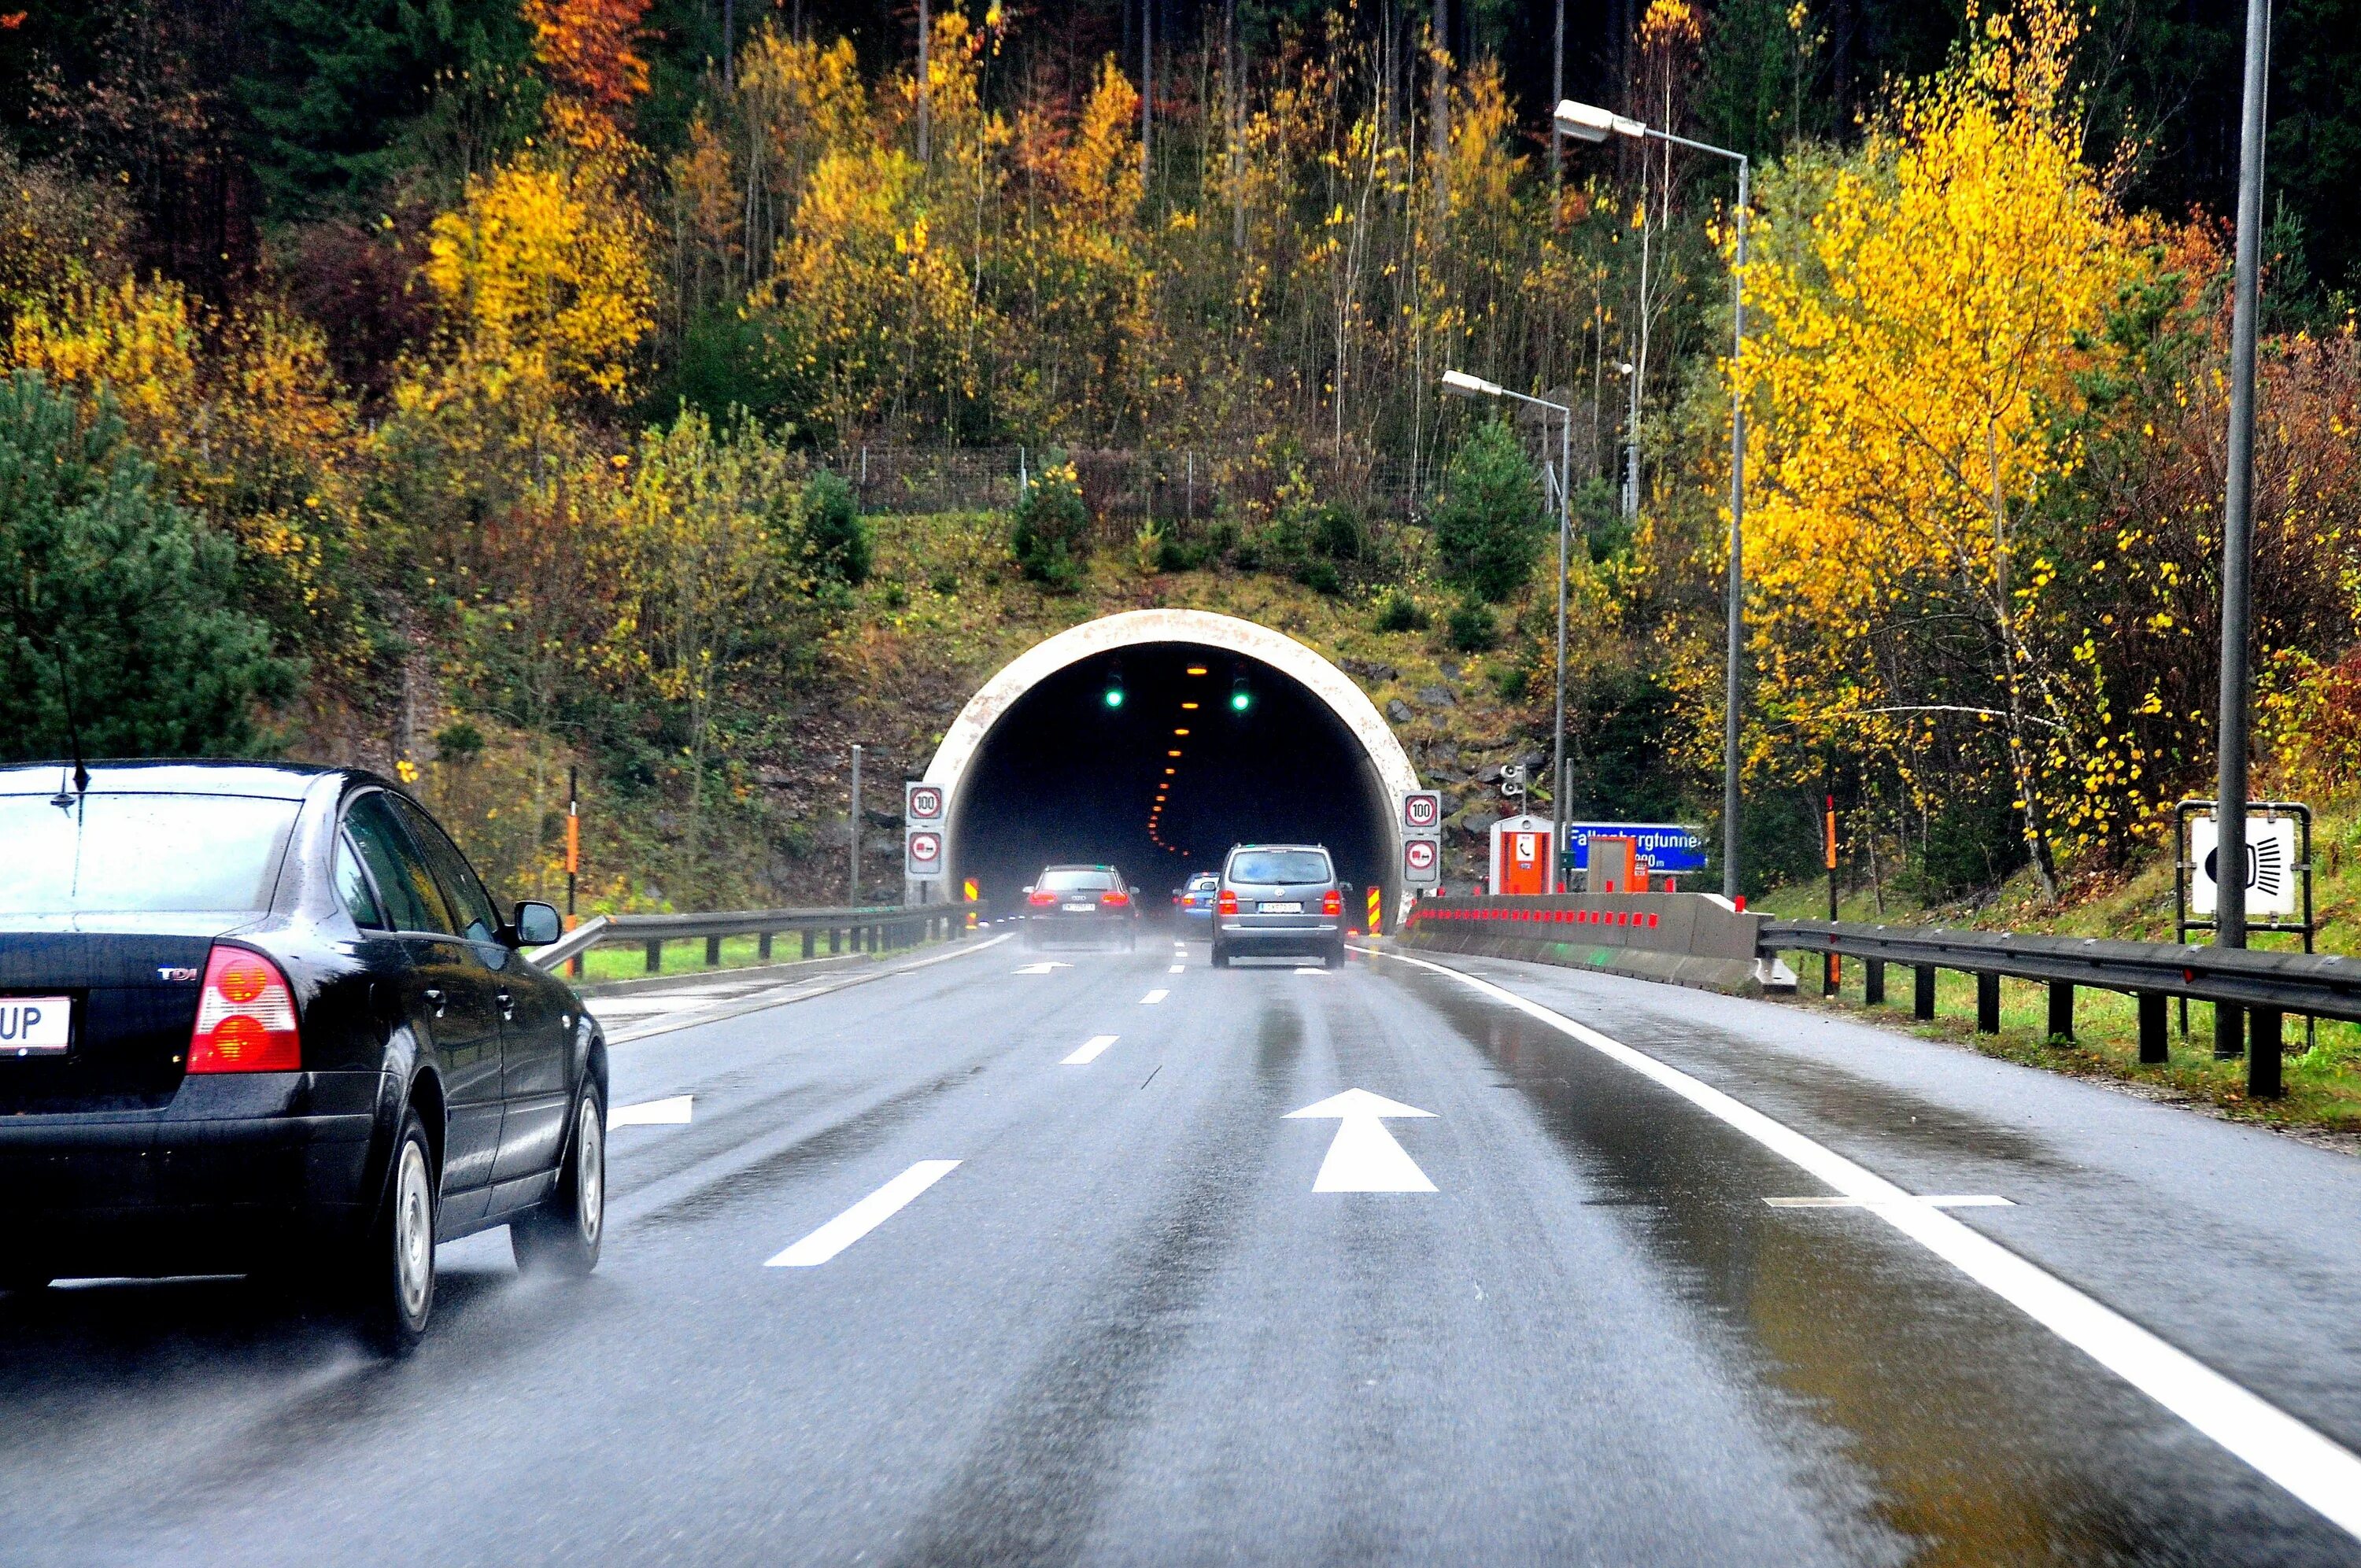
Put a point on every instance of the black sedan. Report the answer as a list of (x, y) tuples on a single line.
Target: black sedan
[(261, 1018), (1081, 903)]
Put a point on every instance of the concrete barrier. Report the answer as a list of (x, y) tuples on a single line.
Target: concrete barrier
[(1681, 938)]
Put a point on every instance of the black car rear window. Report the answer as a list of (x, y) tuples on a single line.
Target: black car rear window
[(1205, 883), (1069, 879), (1279, 866), (108, 854)]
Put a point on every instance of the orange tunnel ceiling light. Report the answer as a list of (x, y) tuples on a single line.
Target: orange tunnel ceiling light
[(1198, 670), (1190, 706), (1171, 753)]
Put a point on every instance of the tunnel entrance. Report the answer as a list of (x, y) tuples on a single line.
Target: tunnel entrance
[(1132, 742)]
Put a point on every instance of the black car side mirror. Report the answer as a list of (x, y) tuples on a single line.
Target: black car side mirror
[(537, 924), (1346, 887)]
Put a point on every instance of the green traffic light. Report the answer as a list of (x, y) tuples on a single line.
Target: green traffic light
[(1114, 696), (1240, 699)]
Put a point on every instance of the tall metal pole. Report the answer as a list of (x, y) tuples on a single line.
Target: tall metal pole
[(1737, 588), (1558, 94), (2238, 550), (853, 898), (1555, 882)]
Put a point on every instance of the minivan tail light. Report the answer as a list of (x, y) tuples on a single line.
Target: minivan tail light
[(1333, 903), (245, 1017), (1229, 902), (1114, 900)]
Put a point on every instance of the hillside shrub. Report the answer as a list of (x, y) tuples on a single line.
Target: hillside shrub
[(1471, 629), (107, 586), (836, 536), (1400, 612), (1489, 520), (1051, 536)]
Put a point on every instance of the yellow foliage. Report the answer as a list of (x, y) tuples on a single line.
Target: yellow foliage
[(546, 268)]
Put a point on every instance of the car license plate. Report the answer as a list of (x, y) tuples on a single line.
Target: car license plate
[(36, 1026), (1082, 908), (1291, 907)]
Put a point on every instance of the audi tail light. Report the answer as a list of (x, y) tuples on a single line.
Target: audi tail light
[(1229, 902), (1333, 903), (245, 1017), (1116, 899), (1041, 900)]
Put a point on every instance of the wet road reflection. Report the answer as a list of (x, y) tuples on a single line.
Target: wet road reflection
[(1986, 1439)]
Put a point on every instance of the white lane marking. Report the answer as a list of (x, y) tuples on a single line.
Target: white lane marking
[(671, 1113), (1153, 997), (1938, 1201), (863, 1217), (1176, 968), (1044, 967), (1090, 1050), (2314, 1468), (1364, 1157), (1312, 969)]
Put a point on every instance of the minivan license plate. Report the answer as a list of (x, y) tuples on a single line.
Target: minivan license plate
[(35, 1025), (1291, 907)]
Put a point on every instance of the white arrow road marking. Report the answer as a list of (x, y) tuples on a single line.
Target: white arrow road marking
[(863, 1217), (2315, 1468), (1090, 1050), (1364, 1158), (672, 1113), (1043, 968), (1935, 1200), (1153, 997)]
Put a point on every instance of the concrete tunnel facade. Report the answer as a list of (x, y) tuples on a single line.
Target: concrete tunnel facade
[(1040, 767)]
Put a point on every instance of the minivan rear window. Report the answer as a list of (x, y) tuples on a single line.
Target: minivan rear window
[(1070, 879), (113, 854), (1279, 866)]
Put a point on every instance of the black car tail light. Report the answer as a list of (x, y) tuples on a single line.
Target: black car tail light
[(1114, 900), (246, 1018), (1041, 900)]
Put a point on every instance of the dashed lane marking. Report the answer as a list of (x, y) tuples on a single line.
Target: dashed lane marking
[(1046, 967), (1176, 968), (1090, 1050), (863, 1217), (1935, 1200), (670, 1112), (2316, 1469), (1153, 997)]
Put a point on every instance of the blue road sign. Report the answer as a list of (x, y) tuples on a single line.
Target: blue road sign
[(1669, 848)]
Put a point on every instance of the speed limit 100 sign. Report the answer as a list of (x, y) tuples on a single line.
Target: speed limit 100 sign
[(923, 802), (1422, 810)]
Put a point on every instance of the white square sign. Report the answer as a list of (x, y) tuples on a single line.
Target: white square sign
[(922, 802), (922, 851), (1421, 811), (2272, 870)]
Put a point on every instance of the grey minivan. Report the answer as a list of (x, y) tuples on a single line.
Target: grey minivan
[(1279, 900)]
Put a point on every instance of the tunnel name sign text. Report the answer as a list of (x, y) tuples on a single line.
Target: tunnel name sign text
[(1669, 848)]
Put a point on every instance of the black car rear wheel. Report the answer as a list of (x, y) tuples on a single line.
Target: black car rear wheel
[(561, 1236), (1334, 957), (392, 1284), (1221, 956)]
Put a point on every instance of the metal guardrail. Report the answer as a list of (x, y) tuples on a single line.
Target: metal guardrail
[(2266, 985), (878, 930)]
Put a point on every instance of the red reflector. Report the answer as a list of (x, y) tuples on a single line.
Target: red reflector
[(1652, 922), (245, 1017), (1333, 903)]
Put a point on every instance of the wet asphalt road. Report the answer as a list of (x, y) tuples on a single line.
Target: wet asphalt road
[(1125, 1328)]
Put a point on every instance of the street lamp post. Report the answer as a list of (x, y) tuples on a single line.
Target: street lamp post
[(1460, 384), (1586, 123)]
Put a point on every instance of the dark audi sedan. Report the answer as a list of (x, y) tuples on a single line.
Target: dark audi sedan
[(258, 1018), (1081, 903)]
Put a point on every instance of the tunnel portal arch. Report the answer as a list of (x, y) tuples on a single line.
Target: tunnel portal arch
[(1386, 766)]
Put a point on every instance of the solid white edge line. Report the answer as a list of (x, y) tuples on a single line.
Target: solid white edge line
[(862, 1217), (2316, 1469), (673, 1111), (1090, 1050), (1158, 994)]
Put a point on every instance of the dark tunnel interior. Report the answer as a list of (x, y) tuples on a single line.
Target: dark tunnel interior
[(1070, 774)]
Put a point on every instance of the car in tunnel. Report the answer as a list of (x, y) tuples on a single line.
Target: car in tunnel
[(1279, 901), (1085, 904), (1195, 901), (266, 1019)]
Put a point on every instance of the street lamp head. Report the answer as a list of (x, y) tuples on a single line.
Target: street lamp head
[(1459, 384), (1587, 121), (1623, 367)]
